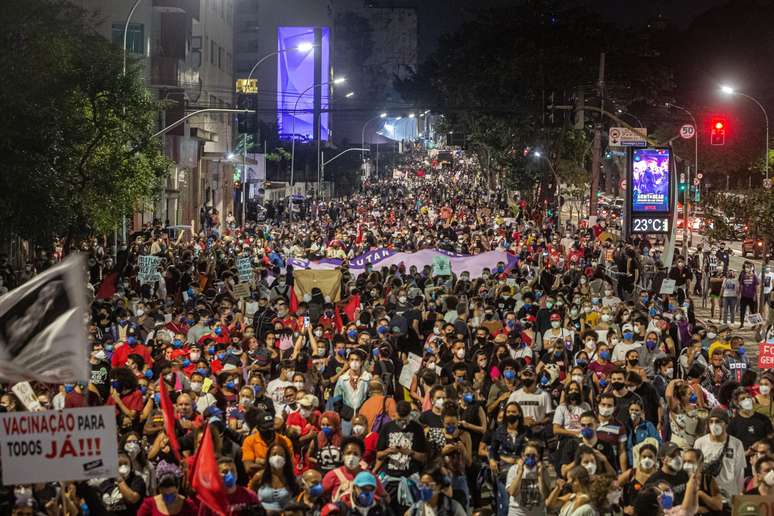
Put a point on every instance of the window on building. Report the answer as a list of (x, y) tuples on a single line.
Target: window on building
[(213, 53), (135, 37)]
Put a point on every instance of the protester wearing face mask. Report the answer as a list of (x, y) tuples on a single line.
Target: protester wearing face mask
[(276, 485), (168, 500), (566, 421), (634, 479), (434, 498), (660, 500), (723, 453), (239, 500), (528, 483), (352, 386), (363, 498), (683, 416), (378, 407), (763, 403), (335, 482), (764, 478), (256, 445), (537, 405), (671, 472), (324, 452), (748, 425), (504, 450), (578, 501), (710, 500)]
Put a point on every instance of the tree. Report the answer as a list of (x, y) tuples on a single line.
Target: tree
[(77, 147)]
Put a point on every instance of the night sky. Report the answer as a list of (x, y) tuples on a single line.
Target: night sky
[(437, 17)]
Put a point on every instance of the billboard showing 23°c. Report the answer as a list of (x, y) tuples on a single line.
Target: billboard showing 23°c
[(650, 180)]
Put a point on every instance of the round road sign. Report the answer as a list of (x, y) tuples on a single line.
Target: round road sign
[(687, 131), (696, 181), (767, 184), (700, 175), (622, 184)]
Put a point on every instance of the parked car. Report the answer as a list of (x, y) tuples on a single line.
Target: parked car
[(754, 247)]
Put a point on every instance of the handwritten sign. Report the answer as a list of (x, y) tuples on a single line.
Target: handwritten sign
[(242, 290), (441, 266), (57, 445), (667, 287), (754, 319), (149, 269), (766, 355), (245, 268)]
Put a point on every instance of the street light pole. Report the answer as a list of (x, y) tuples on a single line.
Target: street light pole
[(557, 190), (362, 133), (687, 205), (323, 162)]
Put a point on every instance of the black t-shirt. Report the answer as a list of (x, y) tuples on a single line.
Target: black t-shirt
[(114, 502), (99, 377), (411, 438), (749, 429), (568, 449), (332, 368), (677, 481), (622, 405)]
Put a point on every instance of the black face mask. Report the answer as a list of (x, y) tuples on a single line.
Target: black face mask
[(267, 435), (617, 386), (528, 382), (633, 361), (574, 398), (512, 418)]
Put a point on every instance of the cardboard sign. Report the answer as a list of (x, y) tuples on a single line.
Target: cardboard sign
[(441, 266), (27, 396), (245, 267), (148, 269), (766, 355), (58, 445), (667, 287), (754, 319), (242, 290)]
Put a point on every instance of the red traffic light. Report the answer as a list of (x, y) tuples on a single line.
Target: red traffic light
[(718, 131)]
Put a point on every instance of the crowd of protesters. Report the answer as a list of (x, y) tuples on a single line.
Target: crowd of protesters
[(564, 384)]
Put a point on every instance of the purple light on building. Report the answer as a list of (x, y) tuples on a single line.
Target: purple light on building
[(295, 75)]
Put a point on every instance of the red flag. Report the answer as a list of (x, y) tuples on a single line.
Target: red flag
[(359, 239), (392, 216), (293, 300), (206, 479), (169, 419), (351, 307), (338, 321), (108, 286)]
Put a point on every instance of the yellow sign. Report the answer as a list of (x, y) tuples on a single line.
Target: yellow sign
[(247, 85)]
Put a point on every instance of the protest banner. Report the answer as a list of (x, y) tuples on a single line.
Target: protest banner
[(329, 283), (57, 445), (245, 267), (766, 355), (667, 287), (754, 319), (148, 269), (42, 330)]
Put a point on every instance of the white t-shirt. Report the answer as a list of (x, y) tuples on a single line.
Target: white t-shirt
[(731, 477), (535, 405), (276, 391), (568, 416), (622, 348), (514, 509), (550, 336)]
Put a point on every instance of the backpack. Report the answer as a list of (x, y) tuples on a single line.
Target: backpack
[(381, 418), (345, 486)]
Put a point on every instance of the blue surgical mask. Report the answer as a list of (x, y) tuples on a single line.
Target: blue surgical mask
[(169, 498), (365, 499), (509, 375), (425, 493), (316, 490), (587, 433), (468, 398), (229, 479)]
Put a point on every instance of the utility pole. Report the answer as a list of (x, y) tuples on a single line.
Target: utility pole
[(597, 146)]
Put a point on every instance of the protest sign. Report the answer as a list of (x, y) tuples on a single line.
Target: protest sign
[(148, 269), (242, 290), (245, 267), (54, 445), (27, 396), (441, 266), (42, 330), (754, 319), (409, 370), (667, 287), (766, 355)]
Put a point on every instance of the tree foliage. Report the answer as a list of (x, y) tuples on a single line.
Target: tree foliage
[(77, 147), (754, 209)]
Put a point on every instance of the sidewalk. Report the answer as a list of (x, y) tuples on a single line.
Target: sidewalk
[(751, 339)]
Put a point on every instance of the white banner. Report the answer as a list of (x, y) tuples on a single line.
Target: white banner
[(149, 269), (70, 444), (245, 267), (43, 329)]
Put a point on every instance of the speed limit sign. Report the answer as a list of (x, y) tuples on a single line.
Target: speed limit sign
[(687, 131)]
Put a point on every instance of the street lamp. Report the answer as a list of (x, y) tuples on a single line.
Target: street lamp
[(350, 94), (362, 133), (411, 115), (728, 90), (557, 191), (622, 112), (337, 80)]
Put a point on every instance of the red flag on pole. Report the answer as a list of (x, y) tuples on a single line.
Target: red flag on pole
[(169, 419), (206, 479), (338, 321), (351, 307), (293, 300), (359, 239)]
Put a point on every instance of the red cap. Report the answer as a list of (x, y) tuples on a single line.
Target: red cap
[(330, 508)]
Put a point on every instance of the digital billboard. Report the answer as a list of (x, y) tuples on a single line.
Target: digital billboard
[(650, 180), (295, 82)]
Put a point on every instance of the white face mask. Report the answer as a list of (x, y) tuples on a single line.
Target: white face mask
[(402, 300), (614, 497), (606, 411), (318, 333), (676, 464), (355, 365), (647, 463), (351, 461), (577, 378), (100, 355), (438, 403), (555, 324), (245, 401), (765, 389), (305, 412), (460, 354), (606, 318), (670, 372), (196, 387), (689, 467), (768, 479), (716, 429), (591, 467), (358, 430), (124, 470), (195, 356), (746, 404), (298, 385), (277, 461)]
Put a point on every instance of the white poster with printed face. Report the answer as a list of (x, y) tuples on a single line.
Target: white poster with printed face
[(58, 445)]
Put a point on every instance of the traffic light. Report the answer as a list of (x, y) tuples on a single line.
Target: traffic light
[(682, 187), (718, 131)]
